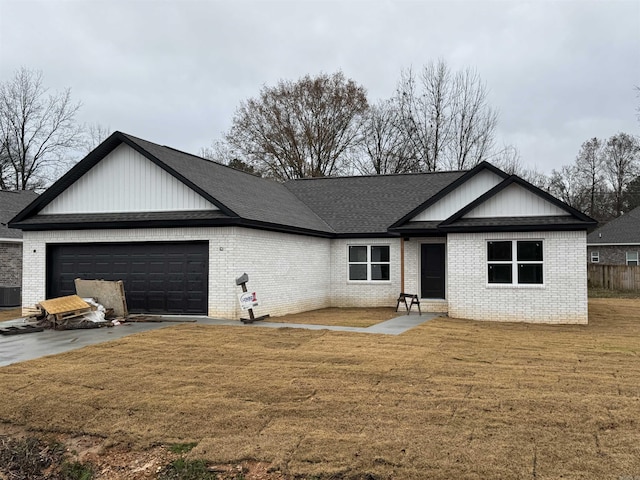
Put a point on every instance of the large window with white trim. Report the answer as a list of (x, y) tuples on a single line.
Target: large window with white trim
[(369, 263), (515, 262)]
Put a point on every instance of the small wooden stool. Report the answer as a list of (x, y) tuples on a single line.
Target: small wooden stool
[(414, 301)]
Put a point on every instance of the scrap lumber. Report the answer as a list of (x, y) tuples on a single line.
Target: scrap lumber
[(64, 308), (20, 329)]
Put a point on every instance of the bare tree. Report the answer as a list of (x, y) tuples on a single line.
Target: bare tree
[(383, 149), (222, 152), (36, 129), (474, 122), (589, 165), (566, 185), (621, 164), (424, 104), (95, 134), (445, 117), (299, 129)]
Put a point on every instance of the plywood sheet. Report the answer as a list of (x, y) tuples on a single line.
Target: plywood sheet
[(110, 294), (66, 304)]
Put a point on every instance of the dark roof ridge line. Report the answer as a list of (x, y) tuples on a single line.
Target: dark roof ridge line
[(372, 175)]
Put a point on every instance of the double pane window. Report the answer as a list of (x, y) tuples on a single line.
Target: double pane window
[(369, 262), (515, 262)]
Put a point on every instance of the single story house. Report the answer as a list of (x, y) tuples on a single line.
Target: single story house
[(616, 242), (179, 229), (11, 202)]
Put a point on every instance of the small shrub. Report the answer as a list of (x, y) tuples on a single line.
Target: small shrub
[(182, 469), (181, 448), (76, 471)]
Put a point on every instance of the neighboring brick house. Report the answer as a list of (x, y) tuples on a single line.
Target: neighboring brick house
[(179, 229), (11, 202), (617, 242)]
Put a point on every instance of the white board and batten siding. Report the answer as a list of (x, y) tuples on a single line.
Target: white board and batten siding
[(516, 201), (460, 197), (126, 181)]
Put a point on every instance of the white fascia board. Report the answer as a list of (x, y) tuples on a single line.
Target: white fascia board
[(10, 240), (613, 244)]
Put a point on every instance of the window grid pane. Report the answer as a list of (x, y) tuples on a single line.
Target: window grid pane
[(530, 251), (380, 271), (358, 272), (500, 273), (499, 251), (380, 253), (530, 273), (357, 254)]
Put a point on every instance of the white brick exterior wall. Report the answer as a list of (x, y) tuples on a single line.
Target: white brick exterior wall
[(562, 298), (345, 293), (294, 273), (289, 273)]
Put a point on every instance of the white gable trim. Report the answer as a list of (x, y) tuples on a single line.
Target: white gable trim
[(126, 181), (515, 201), (466, 193)]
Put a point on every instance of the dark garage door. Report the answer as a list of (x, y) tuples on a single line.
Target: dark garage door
[(159, 277)]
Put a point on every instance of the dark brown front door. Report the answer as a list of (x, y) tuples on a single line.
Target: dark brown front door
[(432, 270)]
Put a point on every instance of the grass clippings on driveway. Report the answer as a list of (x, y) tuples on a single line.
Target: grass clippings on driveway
[(449, 399)]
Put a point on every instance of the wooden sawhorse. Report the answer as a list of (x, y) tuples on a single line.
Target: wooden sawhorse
[(414, 301)]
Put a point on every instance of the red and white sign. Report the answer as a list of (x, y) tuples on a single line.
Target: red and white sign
[(248, 300)]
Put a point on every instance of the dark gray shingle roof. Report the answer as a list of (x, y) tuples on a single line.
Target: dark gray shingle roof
[(249, 196), (343, 206), (11, 202), (624, 230), (368, 204)]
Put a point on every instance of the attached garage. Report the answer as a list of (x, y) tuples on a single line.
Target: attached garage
[(159, 277)]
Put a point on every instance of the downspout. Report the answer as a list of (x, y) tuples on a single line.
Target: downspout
[(401, 264)]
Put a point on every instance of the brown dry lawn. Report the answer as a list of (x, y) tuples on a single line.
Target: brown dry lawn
[(10, 314), (449, 399), (347, 317)]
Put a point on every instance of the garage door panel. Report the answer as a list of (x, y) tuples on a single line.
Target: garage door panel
[(159, 277)]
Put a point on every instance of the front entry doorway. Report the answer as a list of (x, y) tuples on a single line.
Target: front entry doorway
[(432, 270)]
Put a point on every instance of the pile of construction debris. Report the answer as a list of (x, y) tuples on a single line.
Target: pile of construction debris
[(98, 303)]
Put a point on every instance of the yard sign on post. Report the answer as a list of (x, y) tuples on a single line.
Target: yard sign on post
[(248, 300)]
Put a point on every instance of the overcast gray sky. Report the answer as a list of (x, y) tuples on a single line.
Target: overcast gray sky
[(173, 72)]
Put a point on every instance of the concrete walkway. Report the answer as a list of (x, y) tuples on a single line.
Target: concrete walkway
[(18, 348)]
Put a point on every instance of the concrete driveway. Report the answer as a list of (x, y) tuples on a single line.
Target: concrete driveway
[(18, 348)]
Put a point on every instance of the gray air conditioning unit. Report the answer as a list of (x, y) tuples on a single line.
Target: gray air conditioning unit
[(9, 296)]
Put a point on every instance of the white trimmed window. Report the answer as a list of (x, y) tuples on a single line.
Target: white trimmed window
[(515, 262), (595, 257), (632, 258), (369, 263)]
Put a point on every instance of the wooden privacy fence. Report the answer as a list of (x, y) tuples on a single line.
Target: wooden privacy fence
[(614, 277)]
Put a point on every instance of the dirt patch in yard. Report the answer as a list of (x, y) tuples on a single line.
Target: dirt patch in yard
[(10, 314), (344, 317), (449, 399)]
